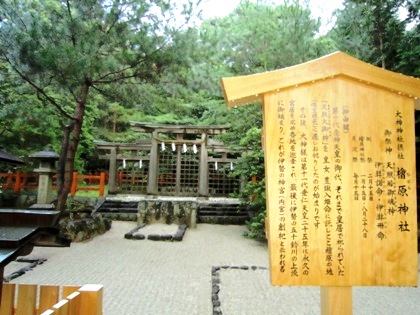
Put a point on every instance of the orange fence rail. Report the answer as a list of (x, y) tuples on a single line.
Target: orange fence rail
[(75, 300), (19, 180), (88, 179)]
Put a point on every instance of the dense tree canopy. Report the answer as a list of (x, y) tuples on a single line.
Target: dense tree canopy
[(73, 71), (67, 51), (381, 33)]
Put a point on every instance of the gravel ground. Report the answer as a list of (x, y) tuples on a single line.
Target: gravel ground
[(143, 277)]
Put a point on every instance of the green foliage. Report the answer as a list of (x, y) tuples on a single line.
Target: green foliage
[(68, 51), (256, 226), (24, 120), (259, 37), (375, 32), (141, 66), (409, 52), (250, 166), (74, 56)]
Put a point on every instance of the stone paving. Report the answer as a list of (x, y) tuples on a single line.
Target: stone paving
[(149, 277)]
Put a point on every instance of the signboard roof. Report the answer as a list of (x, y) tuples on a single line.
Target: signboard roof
[(247, 89)]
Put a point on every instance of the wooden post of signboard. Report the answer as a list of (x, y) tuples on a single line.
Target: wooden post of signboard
[(339, 148), (336, 300)]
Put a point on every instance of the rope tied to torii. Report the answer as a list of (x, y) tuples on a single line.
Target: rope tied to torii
[(180, 141)]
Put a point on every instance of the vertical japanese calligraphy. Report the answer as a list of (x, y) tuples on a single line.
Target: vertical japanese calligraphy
[(341, 185)]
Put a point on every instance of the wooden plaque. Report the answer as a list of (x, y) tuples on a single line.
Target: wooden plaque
[(341, 185), (340, 173)]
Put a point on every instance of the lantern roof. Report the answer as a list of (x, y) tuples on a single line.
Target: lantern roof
[(45, 155)]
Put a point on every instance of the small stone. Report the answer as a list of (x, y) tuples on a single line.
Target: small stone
[(139, 236), (154, 237), (177, 237), (215, 289), (166, 237), (128, 236), (214, 269), (244, 267)]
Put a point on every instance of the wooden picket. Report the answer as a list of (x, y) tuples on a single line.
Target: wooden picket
[(7, 299), (75, 300), (49, 295)]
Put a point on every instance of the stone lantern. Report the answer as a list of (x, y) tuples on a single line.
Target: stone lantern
[(46, 170)]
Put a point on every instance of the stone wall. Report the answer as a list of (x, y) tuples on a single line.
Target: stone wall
[(84, 227), (21, 200), (168, 211), (80, 222)]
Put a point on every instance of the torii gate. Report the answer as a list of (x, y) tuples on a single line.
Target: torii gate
[(339, 149)]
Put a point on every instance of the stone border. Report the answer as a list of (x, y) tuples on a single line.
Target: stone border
[(32, 264), (215, 283), (178, 236)]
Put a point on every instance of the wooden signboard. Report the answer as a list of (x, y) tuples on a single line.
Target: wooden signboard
[(340, 171)]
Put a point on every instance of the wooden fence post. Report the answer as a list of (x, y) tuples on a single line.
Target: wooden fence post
[(49, 295), (336, 300), (102, 184), (7, 299), (61, 308), (26, 301), (18, 181), (73, 188), (91, 299), (70, 289), (74, 303)]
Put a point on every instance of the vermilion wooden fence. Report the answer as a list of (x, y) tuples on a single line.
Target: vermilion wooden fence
[(88, 179), (75, 300), (21, 180), (18, 180)]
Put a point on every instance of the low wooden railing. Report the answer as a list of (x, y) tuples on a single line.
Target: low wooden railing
[(89, 179), (75, 300), (19, 180)]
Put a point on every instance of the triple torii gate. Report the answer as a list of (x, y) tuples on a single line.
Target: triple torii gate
[(340, 174)]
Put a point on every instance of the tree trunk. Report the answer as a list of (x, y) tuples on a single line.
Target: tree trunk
[(69, 146)]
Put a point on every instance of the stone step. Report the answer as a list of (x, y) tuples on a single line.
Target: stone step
[(119, 204), (222, 214), (225, 212), (110, 206), (225, 220), (112, 209)]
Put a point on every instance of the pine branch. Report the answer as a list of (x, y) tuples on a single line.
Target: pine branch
[(39, 90)]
